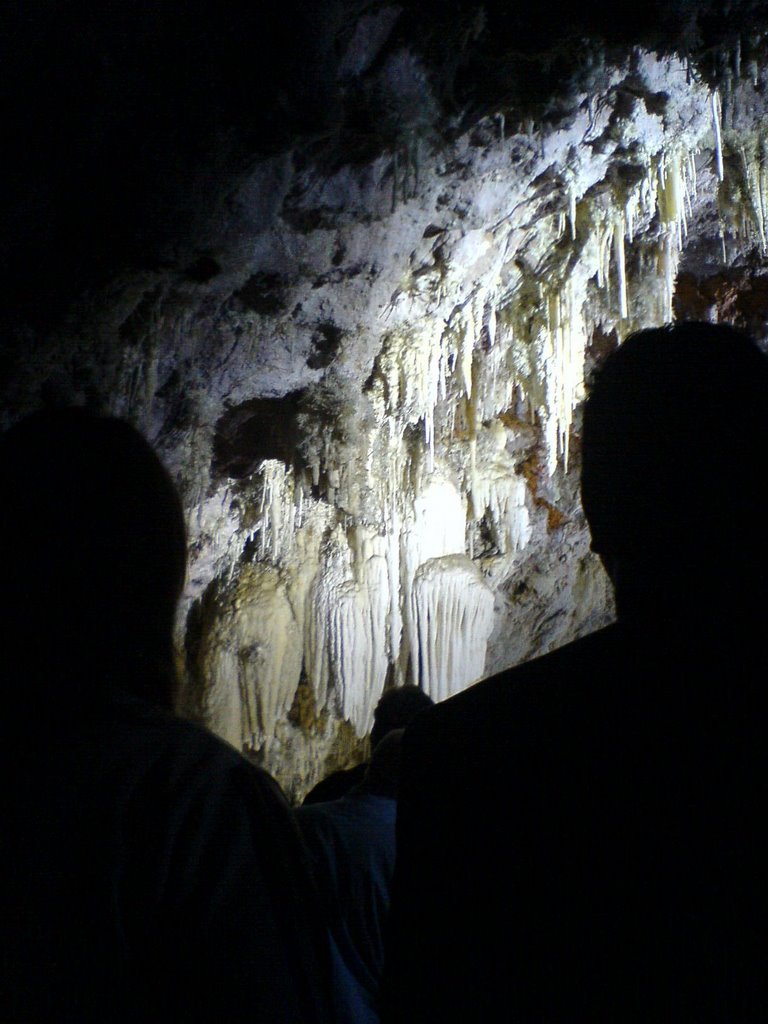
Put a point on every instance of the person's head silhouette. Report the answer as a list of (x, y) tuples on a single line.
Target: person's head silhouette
[(92, 559), (396, 709), (675, 458)]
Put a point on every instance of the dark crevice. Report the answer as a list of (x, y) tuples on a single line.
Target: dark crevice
[(261, 428)]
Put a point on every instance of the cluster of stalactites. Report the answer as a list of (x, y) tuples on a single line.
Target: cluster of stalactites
[(422, 365), (565, 341), (497, 492), (347, 643), (667, 190), (395, 593), (743, 195), (413, 367), (374, 608), (364, 617), (677, 189), (602, 236)]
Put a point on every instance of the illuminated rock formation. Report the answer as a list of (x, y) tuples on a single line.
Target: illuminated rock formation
[(365, 364)]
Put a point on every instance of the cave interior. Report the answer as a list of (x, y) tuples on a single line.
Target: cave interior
[(349, 266)]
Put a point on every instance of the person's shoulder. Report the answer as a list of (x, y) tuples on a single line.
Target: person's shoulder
[(357, 808), (321, 824), (565, 675), (336, 785), (156, 740), (523, 716), (563, 669)]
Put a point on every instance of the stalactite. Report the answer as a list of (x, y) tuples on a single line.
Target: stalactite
[(752, 190), (497, 491), (453, 613), (564, 344), (494, 328), (278, 510), (346, 651), (621, 270), (434, 525), (718, 134), (413, 367), (251, 658), (371, 569), (672, 197)]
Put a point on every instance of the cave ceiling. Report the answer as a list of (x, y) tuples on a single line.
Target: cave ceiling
[(349, 265)]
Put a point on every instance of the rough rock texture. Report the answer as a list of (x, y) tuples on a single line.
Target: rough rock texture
[(361, 340)]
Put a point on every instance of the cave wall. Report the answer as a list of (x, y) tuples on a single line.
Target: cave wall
[(365, 362)]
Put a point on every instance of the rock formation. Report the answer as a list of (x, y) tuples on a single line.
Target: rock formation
[(359, 327)]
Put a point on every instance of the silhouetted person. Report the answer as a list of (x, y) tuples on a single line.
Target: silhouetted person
[(580, 839), (352, 845), (396, 709), (150, 872)]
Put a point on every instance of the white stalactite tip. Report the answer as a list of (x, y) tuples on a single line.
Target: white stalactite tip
[(718, 134), (621, 270)]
